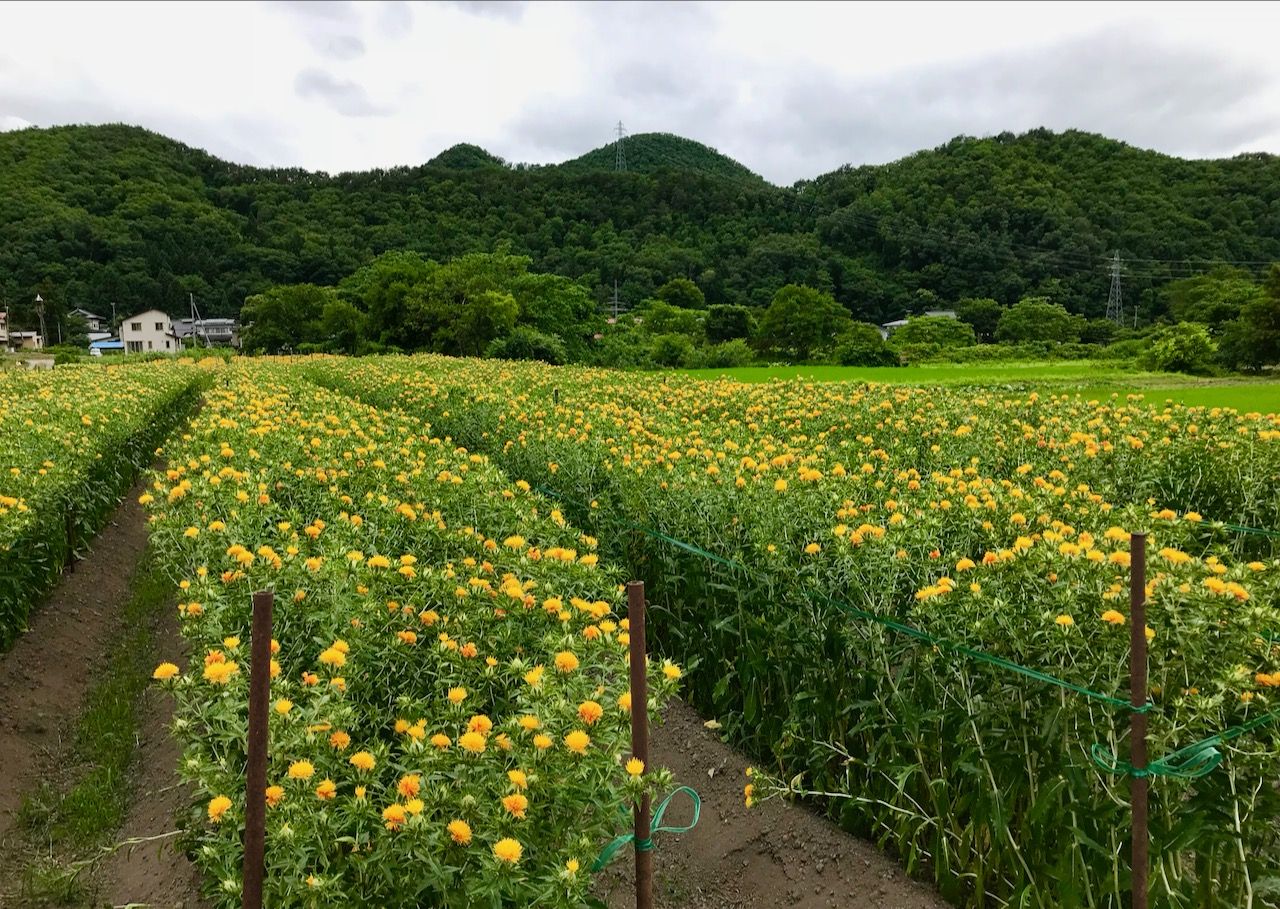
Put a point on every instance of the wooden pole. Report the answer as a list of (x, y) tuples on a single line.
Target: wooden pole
[(255, 793), (640, 737), (1138, 721)]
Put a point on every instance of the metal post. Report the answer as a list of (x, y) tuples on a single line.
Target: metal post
[(640, 737), (255, 793), (1138, 721)]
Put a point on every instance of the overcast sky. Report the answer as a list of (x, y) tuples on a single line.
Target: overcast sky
[(791, 90)]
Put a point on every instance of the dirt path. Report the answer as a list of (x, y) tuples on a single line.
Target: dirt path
[(153, 874), (774, 855), (44, 678)]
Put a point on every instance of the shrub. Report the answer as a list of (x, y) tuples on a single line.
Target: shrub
[(1186, 347), (727, 355), (862, 345), (526, 343)]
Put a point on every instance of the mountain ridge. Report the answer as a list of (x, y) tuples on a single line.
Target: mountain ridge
[(121, 214)]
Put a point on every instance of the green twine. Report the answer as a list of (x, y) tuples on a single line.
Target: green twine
[(1255, 531), (645, 844), (1190, 763), (917, 634), (980, 656)]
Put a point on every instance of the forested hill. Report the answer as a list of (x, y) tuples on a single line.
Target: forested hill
[(95, 215), (649, 153)]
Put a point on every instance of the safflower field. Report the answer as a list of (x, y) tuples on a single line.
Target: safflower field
[(908, 605), (73, 440)]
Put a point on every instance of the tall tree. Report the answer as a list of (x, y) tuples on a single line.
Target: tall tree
[(801, 319)]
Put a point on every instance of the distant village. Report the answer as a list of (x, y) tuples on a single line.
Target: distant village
[(152, 331)]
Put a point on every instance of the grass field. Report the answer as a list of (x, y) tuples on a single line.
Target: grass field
[(1091, 380)]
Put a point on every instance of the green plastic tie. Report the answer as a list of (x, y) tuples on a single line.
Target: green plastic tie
[(1256, 531), (1190, 763), (645, 844)]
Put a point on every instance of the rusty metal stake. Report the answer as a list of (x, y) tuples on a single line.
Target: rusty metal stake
[(255, 793), (1138, 721), (640, 739)]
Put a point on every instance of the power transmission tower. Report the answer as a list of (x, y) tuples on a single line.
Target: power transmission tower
[(620, 150), (614, 305), (1115, 306)]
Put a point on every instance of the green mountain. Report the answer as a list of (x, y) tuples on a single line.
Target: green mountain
[(649, 153), (98, 215), (465, 156)]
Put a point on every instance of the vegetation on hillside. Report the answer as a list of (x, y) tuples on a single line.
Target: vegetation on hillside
[(95, 216)]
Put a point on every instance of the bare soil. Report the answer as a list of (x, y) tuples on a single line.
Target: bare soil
[(154, 873), (772, 855), (45, 676), (44, 679)]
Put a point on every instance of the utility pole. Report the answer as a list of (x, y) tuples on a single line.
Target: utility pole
[(1115, 306), (620, 151), (44, 339)]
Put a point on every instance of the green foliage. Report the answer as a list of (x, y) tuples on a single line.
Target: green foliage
[(465, 156), (728, 355), (683, 293), (671, 350), (649, 153), (862, 345), (727, 322), (106, 214), (1213, 298), (281, 319), (983, 314), (1253, 340), (342, 325), (1036, 319), (1099, 331), (525, 343), (1186, 347), (658, 318), (939, 331), (801, 319)]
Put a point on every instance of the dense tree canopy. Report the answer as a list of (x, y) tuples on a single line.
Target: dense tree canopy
[(1037, 319), (117, 215), (801, 319)]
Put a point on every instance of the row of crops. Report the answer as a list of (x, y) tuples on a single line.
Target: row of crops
[(72, 441), (770, 521), (449, 678)]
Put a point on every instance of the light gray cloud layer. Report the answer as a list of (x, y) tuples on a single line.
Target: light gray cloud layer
[(791, 89)]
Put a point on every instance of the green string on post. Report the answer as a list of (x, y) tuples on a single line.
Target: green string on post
[(1241, 528), (1190, 763), (645, 844)]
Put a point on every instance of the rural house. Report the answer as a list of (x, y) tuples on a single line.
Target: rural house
[(148, 331), (93, 322)]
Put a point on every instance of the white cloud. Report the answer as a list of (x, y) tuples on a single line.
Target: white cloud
[(790, 89)]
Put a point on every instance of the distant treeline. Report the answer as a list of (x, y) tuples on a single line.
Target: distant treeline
[(492, 304)]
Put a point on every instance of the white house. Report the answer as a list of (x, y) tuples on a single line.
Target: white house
[(148, 331)]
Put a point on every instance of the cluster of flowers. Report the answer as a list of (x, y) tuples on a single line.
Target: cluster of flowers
[(998, 521), (73, 439), (451, 703)]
